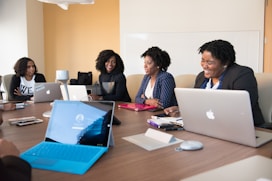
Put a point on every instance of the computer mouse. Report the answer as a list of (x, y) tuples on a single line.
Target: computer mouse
[(191, 145)]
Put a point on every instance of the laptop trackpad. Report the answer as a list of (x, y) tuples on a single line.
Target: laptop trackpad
[(44, 161)]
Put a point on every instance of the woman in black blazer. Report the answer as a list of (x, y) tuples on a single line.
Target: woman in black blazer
[(221, 72)]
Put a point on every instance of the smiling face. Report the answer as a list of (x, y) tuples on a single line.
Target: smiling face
[(110, 64), (212, 67), (149, 66)]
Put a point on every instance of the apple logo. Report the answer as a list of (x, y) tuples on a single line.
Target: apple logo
[(210, 114), (48, 92)]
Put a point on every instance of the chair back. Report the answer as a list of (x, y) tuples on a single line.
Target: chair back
[(185, 80), (264, 81), (6, 80), (133, 84)]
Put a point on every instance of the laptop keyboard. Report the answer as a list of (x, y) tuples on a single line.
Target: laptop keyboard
[(64, 151)]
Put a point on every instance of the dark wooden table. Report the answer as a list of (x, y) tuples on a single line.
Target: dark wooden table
[(126, 161)]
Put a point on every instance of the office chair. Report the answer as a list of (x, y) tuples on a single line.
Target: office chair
[(264, 81), (133, 84), (6, 79), (185, 80)]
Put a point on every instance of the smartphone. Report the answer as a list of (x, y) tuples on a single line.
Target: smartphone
[(14, 121), (25, 123)]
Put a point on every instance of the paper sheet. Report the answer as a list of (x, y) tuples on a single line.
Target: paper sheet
[(149, 143)]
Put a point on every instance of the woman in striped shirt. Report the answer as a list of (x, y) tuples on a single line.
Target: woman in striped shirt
[(157, 87)]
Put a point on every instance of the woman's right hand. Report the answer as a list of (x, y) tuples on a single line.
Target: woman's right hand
[(172, 111)]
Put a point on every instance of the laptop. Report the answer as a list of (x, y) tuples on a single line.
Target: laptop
[(74, 140), (223, 114), (46, 92), (76, 92), (257, 168)]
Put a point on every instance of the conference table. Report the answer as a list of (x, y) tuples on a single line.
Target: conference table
[(127, 161)]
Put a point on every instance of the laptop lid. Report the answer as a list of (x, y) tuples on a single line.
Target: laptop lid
[(75, 138), (76, 92), (256, 168), (46, 92), (87, 123), (223, 114)]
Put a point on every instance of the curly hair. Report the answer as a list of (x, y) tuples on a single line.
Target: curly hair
[(160, 57), (20, 66), (221, 50), (104, 56)]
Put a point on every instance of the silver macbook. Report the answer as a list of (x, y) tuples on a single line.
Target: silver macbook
[(46, 92), (76, 92), (223, 114)]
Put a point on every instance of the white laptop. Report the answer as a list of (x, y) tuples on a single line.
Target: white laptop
[(223, 114), (46, 92), (75, 138), (255, 168), (76, 92)]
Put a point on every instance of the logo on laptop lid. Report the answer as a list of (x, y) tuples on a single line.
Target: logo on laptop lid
[(210, 114), (48, 92)]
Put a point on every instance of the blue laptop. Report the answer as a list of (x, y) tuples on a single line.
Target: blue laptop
[(78, 134)]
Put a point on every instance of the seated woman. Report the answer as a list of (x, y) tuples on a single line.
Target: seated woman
[(111, 78), (221, 72), (157, 87), (22, 83)]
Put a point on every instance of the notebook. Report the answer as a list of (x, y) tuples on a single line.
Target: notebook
[(257, 168), (137, 107), (46, 92), (74, 140), (223, 114), (76, 92)]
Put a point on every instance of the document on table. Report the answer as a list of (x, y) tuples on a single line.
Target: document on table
[(153, 139)]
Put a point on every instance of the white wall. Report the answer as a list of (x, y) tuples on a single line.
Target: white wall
[(13, 33), (181, 26), (21, 33)]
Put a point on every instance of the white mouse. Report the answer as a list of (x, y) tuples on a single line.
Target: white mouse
[(191, 145)]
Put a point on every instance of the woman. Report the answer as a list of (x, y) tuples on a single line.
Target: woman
[(12, 167), (157, 87), (22, 83), (221, 72), (111, 78)]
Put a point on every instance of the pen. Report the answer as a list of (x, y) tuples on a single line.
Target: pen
[(173, 129)]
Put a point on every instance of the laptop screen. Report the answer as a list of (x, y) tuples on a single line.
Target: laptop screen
[(76, 122)]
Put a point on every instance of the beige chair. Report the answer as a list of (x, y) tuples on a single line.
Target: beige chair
[(133, 84), (185, 80), (264, 81), (6, 79)]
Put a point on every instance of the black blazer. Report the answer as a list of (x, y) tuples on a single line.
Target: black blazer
[(239, 77)]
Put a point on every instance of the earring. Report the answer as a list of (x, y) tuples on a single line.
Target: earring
[(158, 67)]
